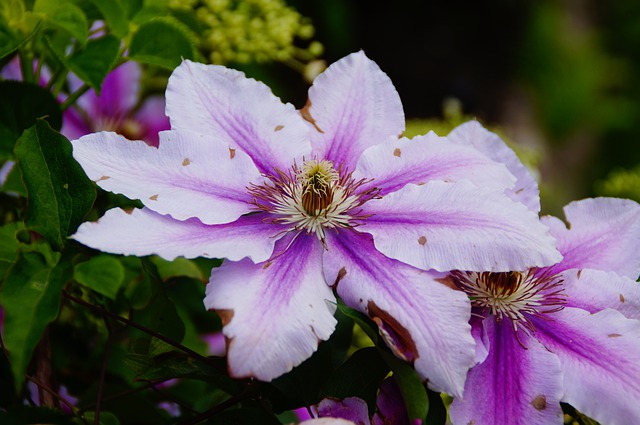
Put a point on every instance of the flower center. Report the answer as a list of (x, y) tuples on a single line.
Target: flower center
[(513, 295), (313, 197)]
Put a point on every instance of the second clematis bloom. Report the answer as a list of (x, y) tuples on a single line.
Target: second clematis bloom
[(299, 202), (564, 333)]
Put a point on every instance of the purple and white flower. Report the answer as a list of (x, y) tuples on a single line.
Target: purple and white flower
[(299, 202), (118, 108), (564, 333)]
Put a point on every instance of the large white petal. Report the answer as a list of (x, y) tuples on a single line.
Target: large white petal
[(604, 234), (397, 162), (144, 232), (600, 358), (275, 313), (423, 321), (473, 134), (449, 226), (239, 111), (352, 105), (188, 175)]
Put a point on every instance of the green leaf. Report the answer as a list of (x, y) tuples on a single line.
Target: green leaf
[(367, 325), (106, 418), (163, 42), (103, 273), (31, 298), (66, 16), (94, 62), (60, 193), (178, 267), (8, 246), (10, 40), (115, 15), (359, 376), (411, 386), (20, 105)]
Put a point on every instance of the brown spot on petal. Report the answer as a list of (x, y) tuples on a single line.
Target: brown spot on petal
[(341, 273), (266, 265), (397, 152), (103, 178), (614, 335), (396, 336), (579, 273), (128, 210), (422, 240), (449, 282), (186, 162), (306, 115), (278, 127), (421, 183), (621, 298), (471, 422), (519, 191), (540, 402), (154, 197), (232, 153), (225, 316)]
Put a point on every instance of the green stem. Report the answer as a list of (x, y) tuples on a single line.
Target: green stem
[(144, 329), (74, 96)]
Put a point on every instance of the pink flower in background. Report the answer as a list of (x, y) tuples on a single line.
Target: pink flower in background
[(117, 108), (300, 202), (568, 332)]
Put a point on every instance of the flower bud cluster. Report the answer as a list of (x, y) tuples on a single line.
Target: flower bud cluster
[(252, 30)]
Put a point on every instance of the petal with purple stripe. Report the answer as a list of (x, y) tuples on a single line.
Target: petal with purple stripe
[(604, 235), (600, 358), (520, 382), (473, 134), (595, 290), (274, 313), (188, 175), (422, 320), (352, 105), (144, 232), (449, 226), (397, 162), (239, 111)]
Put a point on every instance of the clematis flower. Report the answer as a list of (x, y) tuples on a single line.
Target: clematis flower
[(563, 333), (117, 108), (300, 201)]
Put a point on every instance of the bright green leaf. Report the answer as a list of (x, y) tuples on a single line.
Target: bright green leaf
[(103, 273), (411, 386), (20, 105), (163, 42), (367, 325), (60, 193), (115, 15), (92, 63), (30, 297), (66, 16)]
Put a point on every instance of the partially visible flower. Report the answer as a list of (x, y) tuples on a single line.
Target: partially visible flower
[(390, 408), (326, 197), (118, 108), (563, 333)]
